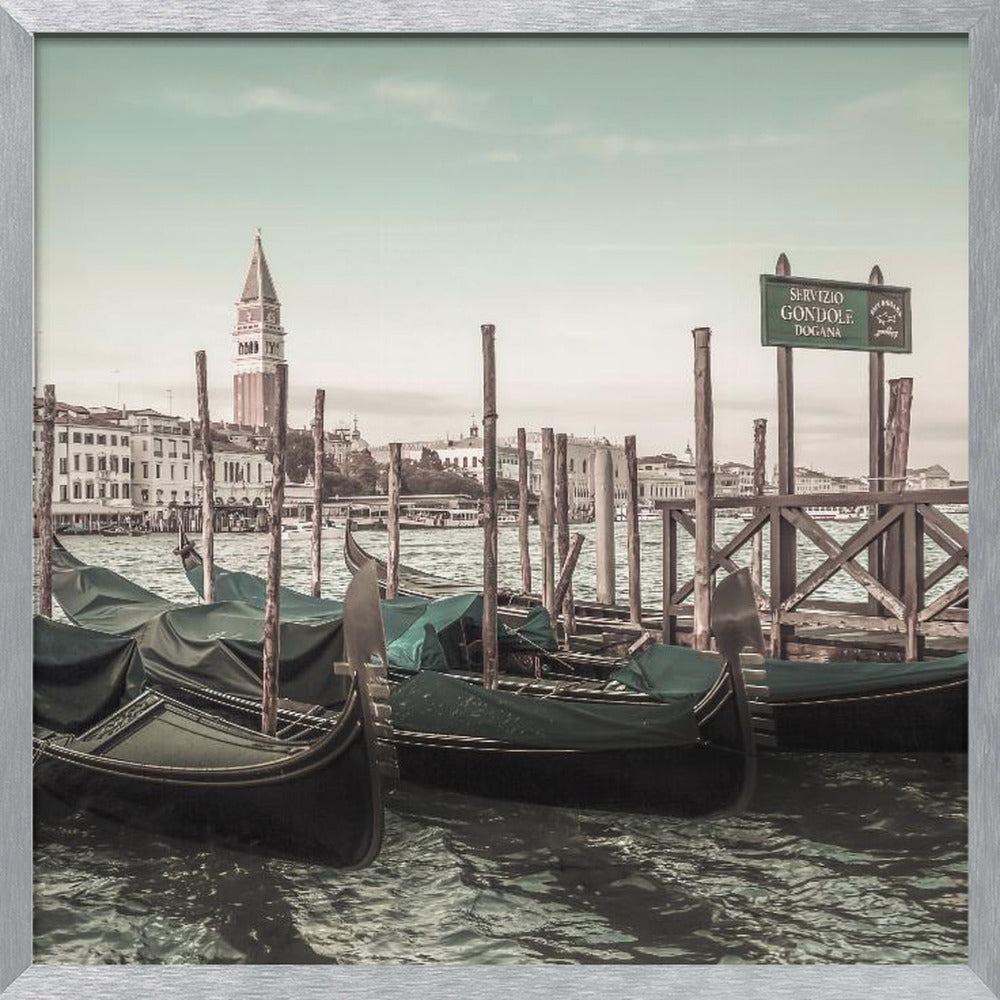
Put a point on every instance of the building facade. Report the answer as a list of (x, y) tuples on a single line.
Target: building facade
[(162, 472), (258, 344), (92, 470)]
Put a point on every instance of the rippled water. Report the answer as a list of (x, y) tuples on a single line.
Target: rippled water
[(842, 858)]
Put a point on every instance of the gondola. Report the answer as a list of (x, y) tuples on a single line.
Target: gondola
[(193, 762), (573, 743), (834, 706)]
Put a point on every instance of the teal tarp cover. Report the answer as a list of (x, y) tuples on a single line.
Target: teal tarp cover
[(669, 672), (79, 675), (420, 634), (220, 645), (437, 703)]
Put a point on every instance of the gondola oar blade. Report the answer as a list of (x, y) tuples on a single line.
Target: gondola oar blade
[(363, 633)]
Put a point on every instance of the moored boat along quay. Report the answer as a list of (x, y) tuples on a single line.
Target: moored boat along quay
[(468, 879)]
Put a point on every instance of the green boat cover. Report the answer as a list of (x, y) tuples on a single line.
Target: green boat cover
[(420, 633), (440, 704), (79, 674), (221, 645), (669, 672)]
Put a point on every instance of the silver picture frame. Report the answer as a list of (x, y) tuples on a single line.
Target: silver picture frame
[(21, 20)]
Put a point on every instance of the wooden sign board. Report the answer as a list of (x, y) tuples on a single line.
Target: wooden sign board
[(834, 315)]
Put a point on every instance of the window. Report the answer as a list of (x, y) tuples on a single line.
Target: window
[(90, 463), (157, 447), (114, 491), (88, 438), (63, 437), (185, 472), (76, 463), (63, 493), (125, 465), (124, 439), (584, 465), (100, 490), (571, 461), (126, 489), (145, 496), (173, 495), (157, 470), (173, 474), (113, 463), (114, 439), (145, 445), (89, 491), (145, 470), (102, 463), (102, 439), (63, 463), (473, 461), (465, 461), (77, 437), (260, 473), (76, 491)]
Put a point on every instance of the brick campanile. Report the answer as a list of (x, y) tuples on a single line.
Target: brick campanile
[(258, 344)]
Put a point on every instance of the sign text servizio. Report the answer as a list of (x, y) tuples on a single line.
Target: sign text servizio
[(838, 315)]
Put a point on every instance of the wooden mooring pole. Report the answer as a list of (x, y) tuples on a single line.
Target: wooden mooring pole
[(546, 519), (897, 448), (272, 601), (522, 509), (604, 523), (759, 480), (562, 530), (207, 482), (704, 485), (876, 449), (783, 557), (491, 657), (566, 575), (632, 520), (43, 508), (392, 520), (317, 525)]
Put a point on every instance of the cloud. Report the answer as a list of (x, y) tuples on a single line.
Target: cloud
[(253, 100), (938, 97), (614, 146), (431, 100), (498, 156)]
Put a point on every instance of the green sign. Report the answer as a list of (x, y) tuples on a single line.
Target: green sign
[(838, 315)]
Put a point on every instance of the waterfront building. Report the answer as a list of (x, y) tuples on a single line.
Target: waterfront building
[(162, 472), (258, 344), (934, 477), (91, 476), (243, 475), (664, 477)]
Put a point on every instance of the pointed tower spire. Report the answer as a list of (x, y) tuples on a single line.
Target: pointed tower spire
[(258, 288)]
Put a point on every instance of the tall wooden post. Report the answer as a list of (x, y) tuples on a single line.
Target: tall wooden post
[(876, 448), (704, 487), (43, 508), (392, 520), (669, 624), (546, 519), (317, 525), (272, 601), (897, 453), (783, 546), (207, 481), (759, 480), (491, 658), (522, 509), (562, 529), (632, 518), (604, 523)]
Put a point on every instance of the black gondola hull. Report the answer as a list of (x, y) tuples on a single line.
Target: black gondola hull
[(933, 718), (677, 781)]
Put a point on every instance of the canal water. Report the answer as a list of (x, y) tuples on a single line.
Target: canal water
[(841, 858)]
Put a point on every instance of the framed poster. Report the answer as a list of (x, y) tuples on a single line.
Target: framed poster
[(232, 127)]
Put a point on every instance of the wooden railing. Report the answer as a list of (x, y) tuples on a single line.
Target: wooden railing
[(898, 525)]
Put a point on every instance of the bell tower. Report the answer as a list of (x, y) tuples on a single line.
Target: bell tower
[(258, 344)]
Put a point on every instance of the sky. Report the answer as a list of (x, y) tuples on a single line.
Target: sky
[(594, 198)]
